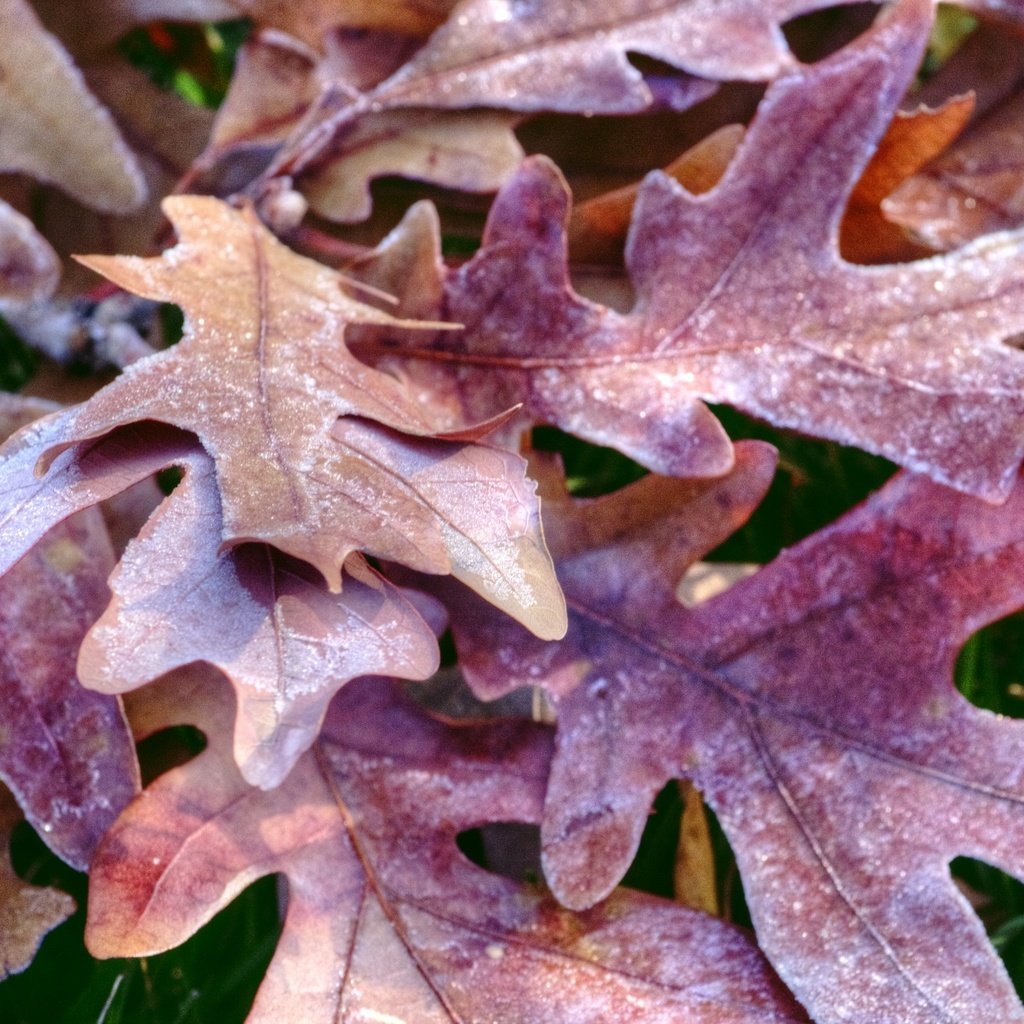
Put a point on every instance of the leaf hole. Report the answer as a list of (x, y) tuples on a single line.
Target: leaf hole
[(168, 748), (507, 848), (989, 670), (814, 36), (998, 900), (590, 470)]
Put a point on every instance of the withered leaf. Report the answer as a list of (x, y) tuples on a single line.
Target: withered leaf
[(813, 706), (27, 912), (316, 453), (744, 299), (54, 129), (572, 58), (386, 919), (64, 752), (971, 189), (913, 138), (285, 642)]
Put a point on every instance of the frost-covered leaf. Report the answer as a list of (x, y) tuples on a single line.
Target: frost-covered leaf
[(813, 706), (286, 643), (316, 453), (64, 752), (531, 57), (54, 129), (744, 299), (27, 912), (386, 919)]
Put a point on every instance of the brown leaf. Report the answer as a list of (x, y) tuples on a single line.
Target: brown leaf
[(913, 138), (972, 189), (54, 129), (263, 377), (27, 912), (744, 299), (386, 919), (29, 268)]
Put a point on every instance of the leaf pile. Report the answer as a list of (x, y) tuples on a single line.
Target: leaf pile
[(258, 531)]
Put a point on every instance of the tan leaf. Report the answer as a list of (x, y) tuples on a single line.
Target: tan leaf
[(317, 454), (54, 129), (913, 138)]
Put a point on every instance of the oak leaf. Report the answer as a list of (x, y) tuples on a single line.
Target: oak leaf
[(744, 299), (386, 919), (529, 58), (286, 643), (813, 706), (316, 453)]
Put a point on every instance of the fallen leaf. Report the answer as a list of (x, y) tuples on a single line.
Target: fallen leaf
[(744, 299), (285, 642), (841, 762), (386, 919), (316, 453), (54, 129), (501, 54)]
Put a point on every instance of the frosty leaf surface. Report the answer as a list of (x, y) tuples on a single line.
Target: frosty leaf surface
[(536, 57), (744, 299), (813, 706), (64, 752), (286, 643), (54, 129), (316, 453), (386, 918)]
